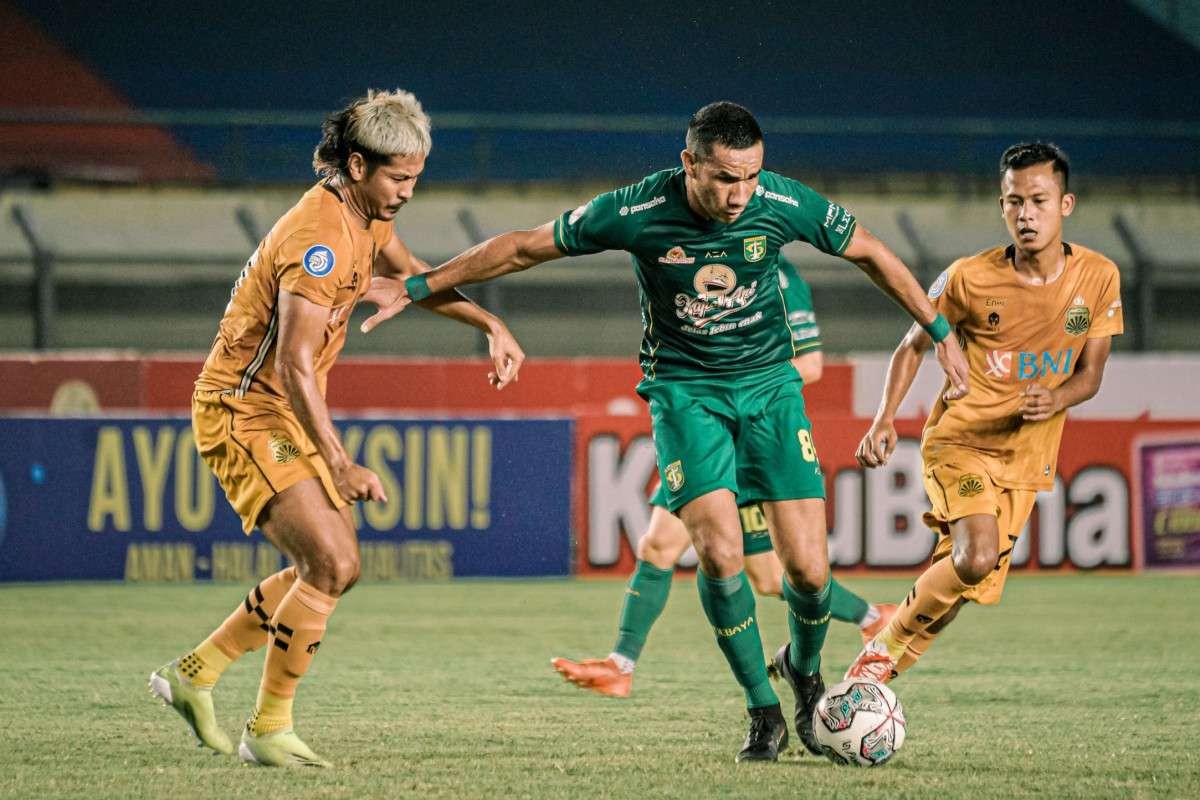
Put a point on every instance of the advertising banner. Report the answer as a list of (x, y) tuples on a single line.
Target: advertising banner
[(104, 499), (874, 516)]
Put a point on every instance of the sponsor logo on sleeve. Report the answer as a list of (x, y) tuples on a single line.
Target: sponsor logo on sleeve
[(754, 247), (1112, 309), (318, 260), (939, 285), (676, 255)]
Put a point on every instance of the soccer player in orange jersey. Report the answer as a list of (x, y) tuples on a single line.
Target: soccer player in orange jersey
[(262, 425), (1036, 319)]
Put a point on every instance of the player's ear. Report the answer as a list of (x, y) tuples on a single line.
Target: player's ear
[(1068, 204), (689, 162), (356, 166)]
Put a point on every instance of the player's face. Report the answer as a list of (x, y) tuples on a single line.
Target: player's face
[(385, 189), (723, 183), (1034, 205)]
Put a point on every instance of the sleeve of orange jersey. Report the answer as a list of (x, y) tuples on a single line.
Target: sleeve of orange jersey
[(1109, 319), (949, 296), (312, 263)]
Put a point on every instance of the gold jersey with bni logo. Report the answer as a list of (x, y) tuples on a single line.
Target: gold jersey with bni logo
[(1015, 334), (318, 250)]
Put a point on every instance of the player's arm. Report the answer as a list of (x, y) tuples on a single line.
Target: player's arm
[(810, 365), (877, 445), (888, 272), (1040, 403), (301, 331), (396, 263), (509, 252)]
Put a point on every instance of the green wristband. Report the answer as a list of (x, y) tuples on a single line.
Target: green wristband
[(938, 329), (417, 287)]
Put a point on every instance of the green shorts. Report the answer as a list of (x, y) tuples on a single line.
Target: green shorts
[(748, 434), (755, 536)]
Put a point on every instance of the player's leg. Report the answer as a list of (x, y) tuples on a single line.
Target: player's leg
[(645, 597), (766, 576), (320, 538), (693, 427), (777, 463), (728, 602), (1015, 506), (799, 528)]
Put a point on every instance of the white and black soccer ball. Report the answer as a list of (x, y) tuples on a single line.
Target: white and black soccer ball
[(859, 722)]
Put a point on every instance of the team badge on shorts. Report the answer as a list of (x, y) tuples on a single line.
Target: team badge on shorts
[(970, 485), (1079, 318), (282, 449), (318, 261), (674, 476), (754, 247)]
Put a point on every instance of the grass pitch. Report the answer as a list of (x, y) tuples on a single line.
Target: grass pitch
[(1076, 686)]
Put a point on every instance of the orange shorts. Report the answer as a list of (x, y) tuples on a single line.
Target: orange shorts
[(960, 485), (255, 451)]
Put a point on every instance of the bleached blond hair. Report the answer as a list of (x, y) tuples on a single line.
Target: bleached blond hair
[(378, 126)]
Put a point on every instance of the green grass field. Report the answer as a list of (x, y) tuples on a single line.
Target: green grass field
[(1073, 687)]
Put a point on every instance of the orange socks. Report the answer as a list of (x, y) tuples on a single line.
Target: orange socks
[(914, 650), (242, 631), (934, 593), (296, 630)]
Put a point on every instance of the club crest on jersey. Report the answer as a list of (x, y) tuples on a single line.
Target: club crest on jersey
[(282, 449), (318, 260), (754, 247), (674, 476), (970, 485), (1079, 318), (676, 255)]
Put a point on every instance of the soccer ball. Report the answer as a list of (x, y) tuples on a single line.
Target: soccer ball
[(859, 722)]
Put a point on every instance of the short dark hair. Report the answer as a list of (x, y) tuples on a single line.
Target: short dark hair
[(723, 123), (1026, 154)]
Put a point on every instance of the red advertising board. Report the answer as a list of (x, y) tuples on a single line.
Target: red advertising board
[(874, 516)]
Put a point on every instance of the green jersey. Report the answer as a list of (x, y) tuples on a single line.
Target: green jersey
[(802, 319), (710, 291)]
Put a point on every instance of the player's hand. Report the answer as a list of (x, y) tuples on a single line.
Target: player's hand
[(954, 364), (878, 445), (1038, 403), (507, 356), (356, 483), (389, 294)]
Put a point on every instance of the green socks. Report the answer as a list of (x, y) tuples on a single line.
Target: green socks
[(808, 620), (845, 605), (729, 605), (645, 599)]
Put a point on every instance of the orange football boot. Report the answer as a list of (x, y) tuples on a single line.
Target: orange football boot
[(600, 675), (886, 612)]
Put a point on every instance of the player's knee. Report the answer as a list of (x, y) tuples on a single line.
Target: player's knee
[(652, 552), (766, 585), (975, 563), (808, 577), (720, 559), (332, 572)]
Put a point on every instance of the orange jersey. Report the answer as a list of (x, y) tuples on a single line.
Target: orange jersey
[(317, 250), (1015, 334)]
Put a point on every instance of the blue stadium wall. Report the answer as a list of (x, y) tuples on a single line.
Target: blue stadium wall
[(1025, 59)]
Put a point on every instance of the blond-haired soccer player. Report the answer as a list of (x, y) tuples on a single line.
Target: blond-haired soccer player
[(1036, 319), (262, 425)]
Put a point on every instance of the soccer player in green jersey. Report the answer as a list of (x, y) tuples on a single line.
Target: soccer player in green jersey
[(725, 402), (666, 539)]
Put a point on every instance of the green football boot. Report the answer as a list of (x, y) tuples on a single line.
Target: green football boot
[(193, 703), (280, 749)]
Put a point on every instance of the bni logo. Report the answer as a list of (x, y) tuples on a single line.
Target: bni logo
[(1009, 365)]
